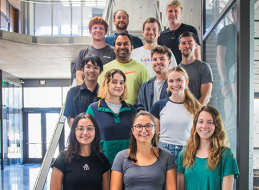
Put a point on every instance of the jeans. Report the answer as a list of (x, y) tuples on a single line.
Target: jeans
[(174, 149)]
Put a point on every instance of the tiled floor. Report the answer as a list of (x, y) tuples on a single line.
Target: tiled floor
[(23, 177), (20, 177)]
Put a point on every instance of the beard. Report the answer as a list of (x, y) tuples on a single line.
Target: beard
[(124, 27), (186, 55), (149, 41)]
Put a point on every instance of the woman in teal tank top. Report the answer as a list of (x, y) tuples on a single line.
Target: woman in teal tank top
[(207, 163)]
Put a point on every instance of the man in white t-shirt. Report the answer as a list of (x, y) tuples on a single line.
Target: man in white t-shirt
[(151, 31)]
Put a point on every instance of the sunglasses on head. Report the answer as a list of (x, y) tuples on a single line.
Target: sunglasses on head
[(173, 34)]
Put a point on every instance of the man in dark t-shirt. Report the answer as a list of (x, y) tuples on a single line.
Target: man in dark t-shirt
[(170, 36), (80, 97), (98, 29), (199, 72)]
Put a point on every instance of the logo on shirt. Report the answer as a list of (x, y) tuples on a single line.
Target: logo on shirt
[(106, 57), (145, 59), (130, 72), (86, 167)]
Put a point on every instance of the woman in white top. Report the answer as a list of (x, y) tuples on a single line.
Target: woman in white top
[(174, 115)]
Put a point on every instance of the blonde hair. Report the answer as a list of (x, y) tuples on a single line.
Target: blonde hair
[(174, 3), (219, 140), (103, 91), (190, 102)]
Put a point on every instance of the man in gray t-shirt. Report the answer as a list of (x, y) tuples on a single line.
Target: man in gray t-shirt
[(98, 29), (200, 74)]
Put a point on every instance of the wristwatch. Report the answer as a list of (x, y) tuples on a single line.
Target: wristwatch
[(222, 83)]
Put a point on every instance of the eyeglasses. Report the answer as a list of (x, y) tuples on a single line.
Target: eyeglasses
[(88, 128), (89, 67), (173, 34), (148, 127)]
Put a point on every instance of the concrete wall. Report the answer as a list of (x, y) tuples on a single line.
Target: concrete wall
[(256, 134), (3, 6), (256, 87), (138, 10), (256, 51)]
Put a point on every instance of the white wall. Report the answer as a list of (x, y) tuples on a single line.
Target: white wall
[(256, 133), (256, 88)]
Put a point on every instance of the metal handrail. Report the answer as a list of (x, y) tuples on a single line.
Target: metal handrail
[(43, 173), (107, 13), (215, 2), (157, 12)]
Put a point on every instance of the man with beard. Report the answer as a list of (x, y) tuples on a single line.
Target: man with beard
[(136, 73), (121, 22), (151, 31), (170, 36), (200, 74), (155, 89), (98, 29)]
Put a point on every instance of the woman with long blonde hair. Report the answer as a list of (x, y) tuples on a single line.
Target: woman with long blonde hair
[(113, 114), (174, 115), (207, 162)]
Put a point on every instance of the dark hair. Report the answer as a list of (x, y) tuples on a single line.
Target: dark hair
[(188, 34), (114, 14), (161, 50), (124, 34), (73, 148), (151, 20), (94, 59), (133, 142)]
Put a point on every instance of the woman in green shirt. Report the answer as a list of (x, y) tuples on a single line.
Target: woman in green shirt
[(207, 163)]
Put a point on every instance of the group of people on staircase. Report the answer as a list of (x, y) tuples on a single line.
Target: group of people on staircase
[(130, 131)]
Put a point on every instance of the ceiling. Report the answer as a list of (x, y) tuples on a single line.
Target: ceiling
[(36, 60)]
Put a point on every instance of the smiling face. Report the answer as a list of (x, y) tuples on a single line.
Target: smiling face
[(91, 74), (151, 32), (98, 32), (187, 46), (177, 82), (116, 86), (205, 125), (121, 20), (123, 48), (85, 137), (143, 135), (160, 63), (174, 14)]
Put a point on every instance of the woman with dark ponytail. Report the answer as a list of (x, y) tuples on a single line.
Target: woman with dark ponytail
[(174, 115)]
